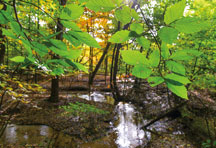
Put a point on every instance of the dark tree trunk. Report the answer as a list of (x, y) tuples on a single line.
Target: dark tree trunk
[(2, 41), (99, 63), (2, 51), (55, 81)]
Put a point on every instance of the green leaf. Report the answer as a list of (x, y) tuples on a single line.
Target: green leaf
[(77, 65), (85, 38), (190, 25), (74, 54), (175, 67), (16, 28), (58, 61), (141, 71), (3, 19), (83, 1), (72, 40), (70, 54), (7, 14), (135, 15), (168, 34), (40, 48), (80, 67), (143, 42), (27, 46), (120, 36), (100, 5), (174, 12), (181, 55), (134, 57), (71, 25), (58, 44), (165, 51), (49, 36), (58, 71), (71, 12), (154, 81), (18, 59), (8, 33), (137, 27), (194, 52), (177, 88), (154, 58), (123, 15), (178, 78)]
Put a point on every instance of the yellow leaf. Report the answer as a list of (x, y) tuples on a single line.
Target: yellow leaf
[(20, 85), (20, 41), (1, 6), (33, 52)]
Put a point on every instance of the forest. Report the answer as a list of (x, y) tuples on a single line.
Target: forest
[(107, 73)]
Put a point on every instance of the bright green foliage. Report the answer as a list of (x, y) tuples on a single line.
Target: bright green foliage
[(85, 38), (79, 66), (18, 59), (71, 12), (100, 5), (58, 44), (154, 58), (137, 27), (72, 40), (71, 25), (178, 78), (177, 88), (154, 81), (120, 36), (134, 57), (141, 71), (16, 29), (9, 33), (57, 71), (175, 67), (159, 59), (123, 15), (174, 12), (41, 49), (193, 52), (135, 15), (168, 34), (190, 25), (143, 42), (181, 55), (78, 107), (164, 51)]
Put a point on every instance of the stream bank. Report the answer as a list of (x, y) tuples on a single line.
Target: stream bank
[(120, 128)]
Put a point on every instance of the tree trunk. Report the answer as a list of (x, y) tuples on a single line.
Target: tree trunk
[(55, 81), (2, 41), (99, 63)]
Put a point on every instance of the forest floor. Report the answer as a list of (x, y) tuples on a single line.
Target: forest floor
[(198, 116)]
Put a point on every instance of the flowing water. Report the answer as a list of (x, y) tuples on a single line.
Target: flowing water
[(126, 130)]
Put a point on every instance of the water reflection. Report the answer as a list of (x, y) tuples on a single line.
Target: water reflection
[(25, 134), (10, 134), (126, 133), (128, 130)]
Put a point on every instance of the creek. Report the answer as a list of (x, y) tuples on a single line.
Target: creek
[(125, 130)]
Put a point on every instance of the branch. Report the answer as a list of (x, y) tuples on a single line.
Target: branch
[(43, 12), (154, 37)]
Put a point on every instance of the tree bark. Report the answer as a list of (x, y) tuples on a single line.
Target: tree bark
[(99, 64), (54, 97), (2, 40)]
